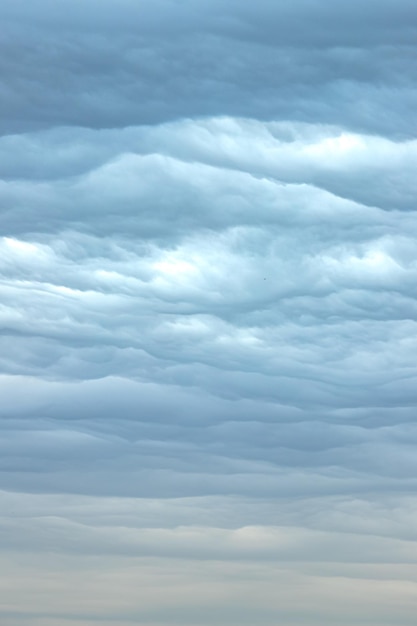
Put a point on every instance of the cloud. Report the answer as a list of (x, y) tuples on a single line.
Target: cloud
[(148, 63), (207, 273)]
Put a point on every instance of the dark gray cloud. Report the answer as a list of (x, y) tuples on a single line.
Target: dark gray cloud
[(208, 270), (63, 63)]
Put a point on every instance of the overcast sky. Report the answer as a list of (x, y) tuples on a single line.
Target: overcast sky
[(208, 274)]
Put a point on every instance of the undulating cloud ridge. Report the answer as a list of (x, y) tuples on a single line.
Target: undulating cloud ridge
[(208, 274)]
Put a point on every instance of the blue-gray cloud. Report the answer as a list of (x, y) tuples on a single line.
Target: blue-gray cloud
[(208, 270), (63, 63)]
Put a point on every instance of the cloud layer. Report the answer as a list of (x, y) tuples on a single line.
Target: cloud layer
[(208, 270)]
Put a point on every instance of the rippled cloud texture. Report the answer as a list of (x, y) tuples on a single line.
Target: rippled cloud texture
[(208, 263)]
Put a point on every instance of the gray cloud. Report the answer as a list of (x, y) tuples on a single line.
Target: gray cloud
[(208, 271), (138, 64)]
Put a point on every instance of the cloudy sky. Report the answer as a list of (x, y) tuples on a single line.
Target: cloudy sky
[(208, 274)]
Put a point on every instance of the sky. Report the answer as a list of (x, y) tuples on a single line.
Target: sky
[(208, 313)]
